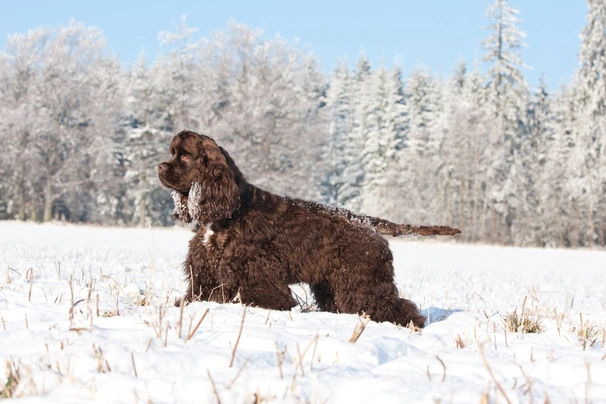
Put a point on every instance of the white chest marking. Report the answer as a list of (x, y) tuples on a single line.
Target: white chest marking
[(209, 233)]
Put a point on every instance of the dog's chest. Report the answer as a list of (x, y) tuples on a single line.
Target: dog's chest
[(208, 235)]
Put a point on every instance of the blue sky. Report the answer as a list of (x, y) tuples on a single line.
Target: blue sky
[(435, 33)]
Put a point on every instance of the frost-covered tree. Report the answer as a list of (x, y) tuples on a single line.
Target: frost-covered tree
[(461, 176), (74, 82), (362, 123), (528, 169), (367, 129), (20, 67), (557, 208), (420, 159), (506, 83), (267, 108), (390, 140), (176, 74), (142, 144), (507, 101), (339, 119), (61, 106), (478, 152), (590, 83)]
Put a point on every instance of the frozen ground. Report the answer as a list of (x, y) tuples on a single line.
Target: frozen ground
[(122, 342)]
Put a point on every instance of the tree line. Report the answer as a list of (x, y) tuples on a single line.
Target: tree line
[(509, 164)]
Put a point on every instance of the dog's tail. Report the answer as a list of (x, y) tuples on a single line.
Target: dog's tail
[(387, 228)]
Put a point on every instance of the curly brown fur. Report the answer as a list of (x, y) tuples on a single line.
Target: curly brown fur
[(251, 244)]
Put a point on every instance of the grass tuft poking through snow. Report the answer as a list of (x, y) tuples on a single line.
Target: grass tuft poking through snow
[(525, 322)]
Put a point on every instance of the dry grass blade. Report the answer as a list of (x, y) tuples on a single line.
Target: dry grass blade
[(102, 363), (132, 357), (359, 330), (71, 292), (300, 364), (193, 332), (180, 323), (280, 359), (460, 344), (212, 382), (233, 353), (314, 342), (13, 378), (311, 362), (492, 376), (443, 366), (31, 284), (238, 374)]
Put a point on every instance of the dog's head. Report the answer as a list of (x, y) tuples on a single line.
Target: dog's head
[(203, 183)]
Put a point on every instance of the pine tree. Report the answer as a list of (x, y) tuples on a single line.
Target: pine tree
[(464, 154), (555, 193), (176, 74), (380, 194), (339, 106), (363, 121), (506, 84), (529, 165), (144, 144), (590, 84), (507, 95), (420, 159)]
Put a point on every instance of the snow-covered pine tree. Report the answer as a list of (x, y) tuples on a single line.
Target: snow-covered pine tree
[(381, 196), (339, 119), (175, 74), (530, 161), (363, 120), (507, 95), (590, 85), (143, 145), (559, 220), (464, 154), (369, 124), (419, 161)]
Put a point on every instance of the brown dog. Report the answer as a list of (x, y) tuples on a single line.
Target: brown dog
[(251, 244)]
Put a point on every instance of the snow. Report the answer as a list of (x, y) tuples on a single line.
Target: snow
[(297, 356)]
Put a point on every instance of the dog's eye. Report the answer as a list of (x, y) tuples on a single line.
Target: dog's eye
[(185, 158)]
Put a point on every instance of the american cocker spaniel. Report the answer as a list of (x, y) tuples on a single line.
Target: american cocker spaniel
[(251, 244)]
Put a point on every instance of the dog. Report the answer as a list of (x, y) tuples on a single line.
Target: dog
[(250, 244)]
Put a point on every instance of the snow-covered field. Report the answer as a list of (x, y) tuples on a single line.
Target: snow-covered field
[(124, 341)]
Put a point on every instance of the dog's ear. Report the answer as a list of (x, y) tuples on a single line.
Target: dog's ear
[(214, 195)]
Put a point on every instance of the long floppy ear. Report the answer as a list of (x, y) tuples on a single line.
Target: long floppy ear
[(214, 195), (181, 211)]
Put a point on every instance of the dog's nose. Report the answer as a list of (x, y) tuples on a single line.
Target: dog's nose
[(162, 167)]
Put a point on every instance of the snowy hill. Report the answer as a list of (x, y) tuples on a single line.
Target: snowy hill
[(124, 341)]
